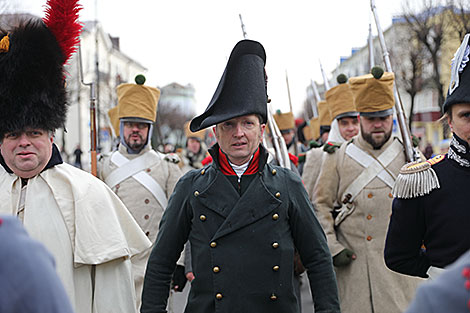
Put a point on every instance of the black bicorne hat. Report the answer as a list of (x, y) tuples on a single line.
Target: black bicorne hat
[(32, 78), (241, 90), (459, 86)]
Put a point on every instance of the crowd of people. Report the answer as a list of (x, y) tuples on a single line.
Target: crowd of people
[(366, 227)]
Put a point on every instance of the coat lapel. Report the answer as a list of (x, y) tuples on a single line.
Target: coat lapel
[(219, 196), (254, 204)]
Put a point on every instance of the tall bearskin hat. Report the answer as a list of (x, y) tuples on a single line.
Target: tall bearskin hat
[(32, 78)]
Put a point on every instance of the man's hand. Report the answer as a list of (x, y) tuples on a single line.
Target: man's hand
[(190, 276), (179, 279), (344, 258)]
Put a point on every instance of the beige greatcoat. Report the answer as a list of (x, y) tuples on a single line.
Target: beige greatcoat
[(366, 285), (141, 203), (311, 171)]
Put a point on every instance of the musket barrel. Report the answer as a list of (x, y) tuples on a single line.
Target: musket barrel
[(410, 154)]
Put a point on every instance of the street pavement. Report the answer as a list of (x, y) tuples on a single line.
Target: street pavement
[(177, 302)]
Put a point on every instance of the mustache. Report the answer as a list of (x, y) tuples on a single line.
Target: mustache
[(132, 134)]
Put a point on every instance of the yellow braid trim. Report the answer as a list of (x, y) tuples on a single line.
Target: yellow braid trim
[(5, 44)]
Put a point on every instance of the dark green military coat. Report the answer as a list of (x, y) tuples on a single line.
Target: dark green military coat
[(242, 242)]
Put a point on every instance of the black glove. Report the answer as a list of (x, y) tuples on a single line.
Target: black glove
[(344, 258), (179, 279)]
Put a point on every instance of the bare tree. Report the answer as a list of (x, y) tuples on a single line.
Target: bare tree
[(428, 26), (170, 119), (460, 14)]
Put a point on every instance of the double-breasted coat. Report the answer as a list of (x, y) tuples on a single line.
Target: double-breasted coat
[(365, 285), (243, 237)]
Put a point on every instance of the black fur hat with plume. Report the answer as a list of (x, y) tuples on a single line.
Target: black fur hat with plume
[(32, 78)]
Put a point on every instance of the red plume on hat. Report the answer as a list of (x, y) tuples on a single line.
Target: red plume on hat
[(32, 58), (62, 20)]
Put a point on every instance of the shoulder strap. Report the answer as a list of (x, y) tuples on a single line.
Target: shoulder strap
[(134, 168), (373, 168)]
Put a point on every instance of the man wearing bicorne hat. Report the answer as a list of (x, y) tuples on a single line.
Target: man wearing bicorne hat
[(344, 126), (83, 224), (141, 177), (430, 223), (353, 201), (243, 217)]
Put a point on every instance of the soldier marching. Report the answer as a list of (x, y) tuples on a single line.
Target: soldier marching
[(364, 225)]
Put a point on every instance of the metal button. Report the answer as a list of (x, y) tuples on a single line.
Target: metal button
[(369, 196), (216, 269), (273, 297), (278, 194), (213, 244), (276, 268), (274, 171), (218, 296), (390, 195), (369, 238), (148, 170), (275, 216), (369, 217), (203, 171), (202, 217), (147, 201), (196, 193), (147, 217), (275, 245)]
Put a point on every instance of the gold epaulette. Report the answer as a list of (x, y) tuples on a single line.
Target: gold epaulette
[(417, 179)]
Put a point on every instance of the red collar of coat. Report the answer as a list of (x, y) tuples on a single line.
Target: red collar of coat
[(227, 169)]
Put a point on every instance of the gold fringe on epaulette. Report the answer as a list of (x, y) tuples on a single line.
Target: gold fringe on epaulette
[(5, 43), (415, 179)]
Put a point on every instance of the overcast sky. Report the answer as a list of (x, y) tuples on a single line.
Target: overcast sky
[(189, 41)]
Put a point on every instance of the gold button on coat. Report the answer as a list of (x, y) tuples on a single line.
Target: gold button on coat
[(216, 269), (369, 217), (276, 268), (213, 244), (278, 194), (275, 216), (196, 193), (273, 297), (202, 217), (218, 296), (275, 245), (274, 171), (203, 172), (390, 195), (369, 196), (369, 238)]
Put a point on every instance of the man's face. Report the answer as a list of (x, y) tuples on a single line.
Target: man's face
[(239, 137), (460, 121), (324, 136), (288, 136), (27, 152), (348, 127), (193, 145), (376, 130), (135, 134)]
